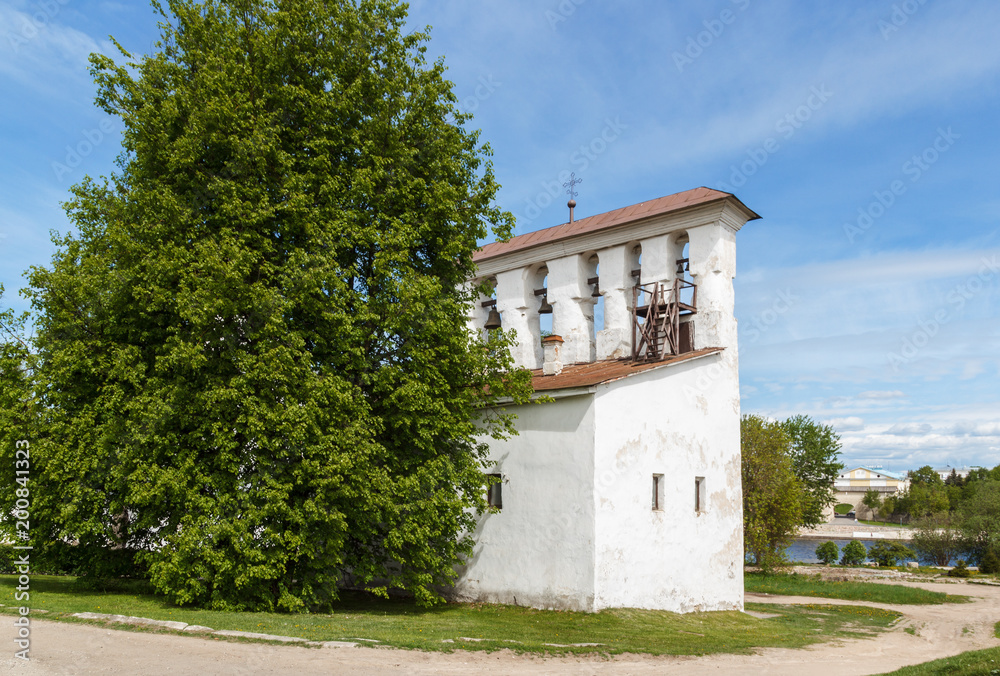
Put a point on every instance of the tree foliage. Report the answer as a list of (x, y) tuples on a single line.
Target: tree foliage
[(853, 554), (257, 380), (980, 520), (772, 509), (887, 554), (828, 552), (814, 449), (937, 540), (872, 500)]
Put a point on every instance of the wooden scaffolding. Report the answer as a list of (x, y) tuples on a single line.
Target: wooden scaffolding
[(656, 323)]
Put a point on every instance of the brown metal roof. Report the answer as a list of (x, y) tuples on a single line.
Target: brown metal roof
[(594, 373), (610, 219)]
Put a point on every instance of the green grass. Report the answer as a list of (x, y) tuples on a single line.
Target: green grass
[(812, 585), (973, 663), (843, 508), (881, 523), (402, 624)]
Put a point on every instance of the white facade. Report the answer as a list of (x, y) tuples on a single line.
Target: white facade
[(624, 491)]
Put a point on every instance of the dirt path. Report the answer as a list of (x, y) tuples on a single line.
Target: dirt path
[(62, 648)]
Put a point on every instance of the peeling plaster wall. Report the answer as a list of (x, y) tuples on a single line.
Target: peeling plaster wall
[(539, 549), (682, 422)]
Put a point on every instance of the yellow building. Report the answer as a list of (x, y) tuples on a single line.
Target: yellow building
[(852, 484)]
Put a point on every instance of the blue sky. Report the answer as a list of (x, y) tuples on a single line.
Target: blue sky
[(865, 134)]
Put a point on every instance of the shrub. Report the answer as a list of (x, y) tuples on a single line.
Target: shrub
[(828, 552), (854, 554), (886, 554), (960, 570), (7, 559), (989, 563)]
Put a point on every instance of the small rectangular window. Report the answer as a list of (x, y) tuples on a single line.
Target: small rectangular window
[(699, 494), (657, 492), (494, 494)]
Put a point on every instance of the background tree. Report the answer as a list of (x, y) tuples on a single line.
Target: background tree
[(772, 509), (814, 450), (254, 359), (926, 496), (853, 554), (925, 476), (888, 554), (872, 500), (937, 540), (888, 506), (827, 552), (980, 520)]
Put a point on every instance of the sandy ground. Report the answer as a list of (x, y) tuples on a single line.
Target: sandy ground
[(62, 648)]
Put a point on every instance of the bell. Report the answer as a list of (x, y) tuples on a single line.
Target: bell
[(597, 291), (545, 308), (493, 321)]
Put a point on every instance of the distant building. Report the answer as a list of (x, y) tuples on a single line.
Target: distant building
[(960, 472), (852, 484), (862, 479)]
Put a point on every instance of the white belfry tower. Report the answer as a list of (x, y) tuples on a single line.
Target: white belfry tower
[(624, 490)]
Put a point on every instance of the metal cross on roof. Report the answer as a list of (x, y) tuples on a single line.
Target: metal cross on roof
[(571, 184)]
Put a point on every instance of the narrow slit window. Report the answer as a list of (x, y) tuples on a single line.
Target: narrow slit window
[(699, 494), (494, 494), (657, 492)]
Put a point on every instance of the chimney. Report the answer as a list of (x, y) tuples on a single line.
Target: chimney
[(552, 347)]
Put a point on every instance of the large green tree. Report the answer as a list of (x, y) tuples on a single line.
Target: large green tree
[(257, 380), (926, 496), (979, 520), (772, 504), (814, 449)]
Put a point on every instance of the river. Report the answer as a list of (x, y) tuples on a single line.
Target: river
[(803, 550)]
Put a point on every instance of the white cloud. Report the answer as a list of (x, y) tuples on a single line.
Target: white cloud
[(877, 394), (41, 53), (849, 424)]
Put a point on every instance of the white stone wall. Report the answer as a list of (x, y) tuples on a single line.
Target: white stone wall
[(539, 549), (681, 422), (578, 529), (614, 341), (572, 306)]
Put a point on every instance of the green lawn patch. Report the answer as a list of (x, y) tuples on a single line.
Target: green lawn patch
[(972, 663), (881, 523), (402, 624), (811, 585)]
